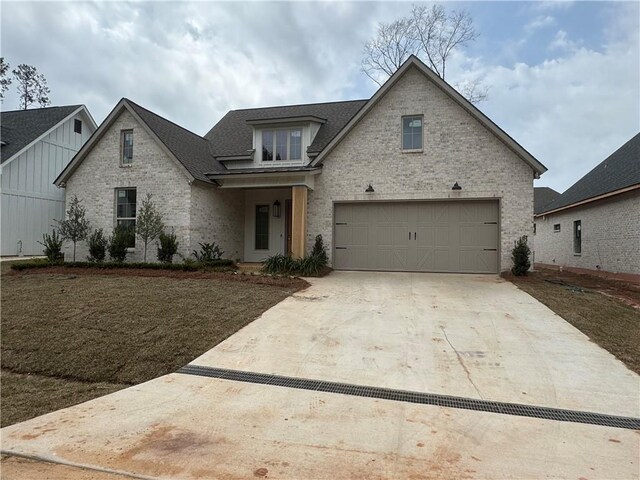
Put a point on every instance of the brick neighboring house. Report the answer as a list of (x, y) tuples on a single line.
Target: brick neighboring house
[(595, 224), (413, 179)]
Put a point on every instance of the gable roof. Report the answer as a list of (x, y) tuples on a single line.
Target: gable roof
[(233, 134), (191, 152), (543, 196), (415, 62), (620, 170), (20, 128)]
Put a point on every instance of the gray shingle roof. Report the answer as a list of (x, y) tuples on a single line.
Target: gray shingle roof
[(233, 136), (620, 170), (543, 196), (191, 150), (21, 127)]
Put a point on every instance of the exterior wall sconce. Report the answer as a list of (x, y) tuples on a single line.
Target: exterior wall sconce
[(276, 209), (456, 186), (369, 189)]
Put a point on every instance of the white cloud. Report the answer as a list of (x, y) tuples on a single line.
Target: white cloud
[(540, 22), (562, 42)]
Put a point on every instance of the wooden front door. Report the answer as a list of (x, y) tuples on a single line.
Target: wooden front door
[(287, 221)]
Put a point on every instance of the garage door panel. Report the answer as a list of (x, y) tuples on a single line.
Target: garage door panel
[(441, 236)]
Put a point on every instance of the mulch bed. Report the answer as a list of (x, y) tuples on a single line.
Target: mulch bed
[(287, 282)]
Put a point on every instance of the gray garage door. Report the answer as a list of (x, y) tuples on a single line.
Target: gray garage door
[(438, 236)]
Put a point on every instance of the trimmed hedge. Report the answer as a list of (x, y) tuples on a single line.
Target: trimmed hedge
[(188, 267)]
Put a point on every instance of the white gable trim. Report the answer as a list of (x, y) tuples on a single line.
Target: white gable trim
[(99, 133), (81, 108), (414, 61)]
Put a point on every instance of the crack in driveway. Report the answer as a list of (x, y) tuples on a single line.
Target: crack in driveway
[(461, 362)]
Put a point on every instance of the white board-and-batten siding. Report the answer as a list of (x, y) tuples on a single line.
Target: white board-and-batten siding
[(30, 202)]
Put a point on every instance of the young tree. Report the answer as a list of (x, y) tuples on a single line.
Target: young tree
[(32, 86), (5, 81), (149, 223), (431, 35), (76, 227)]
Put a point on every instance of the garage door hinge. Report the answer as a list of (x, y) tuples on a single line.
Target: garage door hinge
[(490, 249), (490, 223), (341, 248)]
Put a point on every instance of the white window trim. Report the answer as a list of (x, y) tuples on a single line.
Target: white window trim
[(288, 161), (411, 150)]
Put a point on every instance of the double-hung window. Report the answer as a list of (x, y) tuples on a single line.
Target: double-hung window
[(127, 147), (412, 132), (126, 213), (577, 237), (282, 144)]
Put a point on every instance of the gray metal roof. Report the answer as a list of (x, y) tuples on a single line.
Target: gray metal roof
[(543, 196), (21, 127), (619, 170), (193, 151), (234, 136)]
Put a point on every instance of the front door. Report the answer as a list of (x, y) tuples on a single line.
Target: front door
[(287, 221)]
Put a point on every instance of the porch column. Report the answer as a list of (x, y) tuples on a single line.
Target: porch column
[(298, 221)]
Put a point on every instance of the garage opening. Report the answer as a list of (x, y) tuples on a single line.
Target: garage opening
[(429, 236)]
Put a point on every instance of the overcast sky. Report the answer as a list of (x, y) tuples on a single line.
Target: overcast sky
[(564, 77)]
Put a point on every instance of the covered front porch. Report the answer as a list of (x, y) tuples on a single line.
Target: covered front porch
[(275, 210)]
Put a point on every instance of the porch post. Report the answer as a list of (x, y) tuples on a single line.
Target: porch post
[(298, 221)]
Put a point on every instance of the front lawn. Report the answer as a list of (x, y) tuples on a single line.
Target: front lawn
[(69, 337), (607, 311)]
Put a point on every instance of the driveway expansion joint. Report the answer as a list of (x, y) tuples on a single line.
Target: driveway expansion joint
[(505, 408)]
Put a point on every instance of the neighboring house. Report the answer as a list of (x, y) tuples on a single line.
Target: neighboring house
[(543, 196), (37, 145), (595, 224), (413, 179)]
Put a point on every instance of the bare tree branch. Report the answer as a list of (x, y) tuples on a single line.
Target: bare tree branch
[(430, 34)]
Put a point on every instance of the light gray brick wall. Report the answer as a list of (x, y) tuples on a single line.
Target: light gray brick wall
[(610, 236), (456, 149), (218, 216), (152, 171)]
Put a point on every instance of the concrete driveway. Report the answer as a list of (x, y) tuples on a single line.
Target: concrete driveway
[(477, 337)]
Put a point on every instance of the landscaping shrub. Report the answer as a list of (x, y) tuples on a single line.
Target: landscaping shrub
[(191, 266), (520, 257), (52, 246), (309, 266), (149, 225), (97, 246), (279, 264), (118, 243), (319, 251), (75, 227), (209, 253), (167, 247)]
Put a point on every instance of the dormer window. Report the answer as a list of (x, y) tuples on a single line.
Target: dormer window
[(282, 144)]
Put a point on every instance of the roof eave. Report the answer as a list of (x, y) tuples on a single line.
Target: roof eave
[(590, 200)]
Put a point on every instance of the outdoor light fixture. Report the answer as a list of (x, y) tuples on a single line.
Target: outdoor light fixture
[(369, 189), (456, 186), (276, 209)]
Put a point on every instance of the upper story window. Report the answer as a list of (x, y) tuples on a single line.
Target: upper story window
[(556, 227), (282, 144), (127, 147), (77, 126), (412, 132)]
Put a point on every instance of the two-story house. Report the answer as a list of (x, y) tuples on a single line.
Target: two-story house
[(413, 179)]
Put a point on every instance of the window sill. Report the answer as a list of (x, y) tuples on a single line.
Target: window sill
[(124, 165), (577, 254), (416, 150)]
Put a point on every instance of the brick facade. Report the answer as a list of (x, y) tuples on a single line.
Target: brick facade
[(610, 235), (195, 213), (456, 149)]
